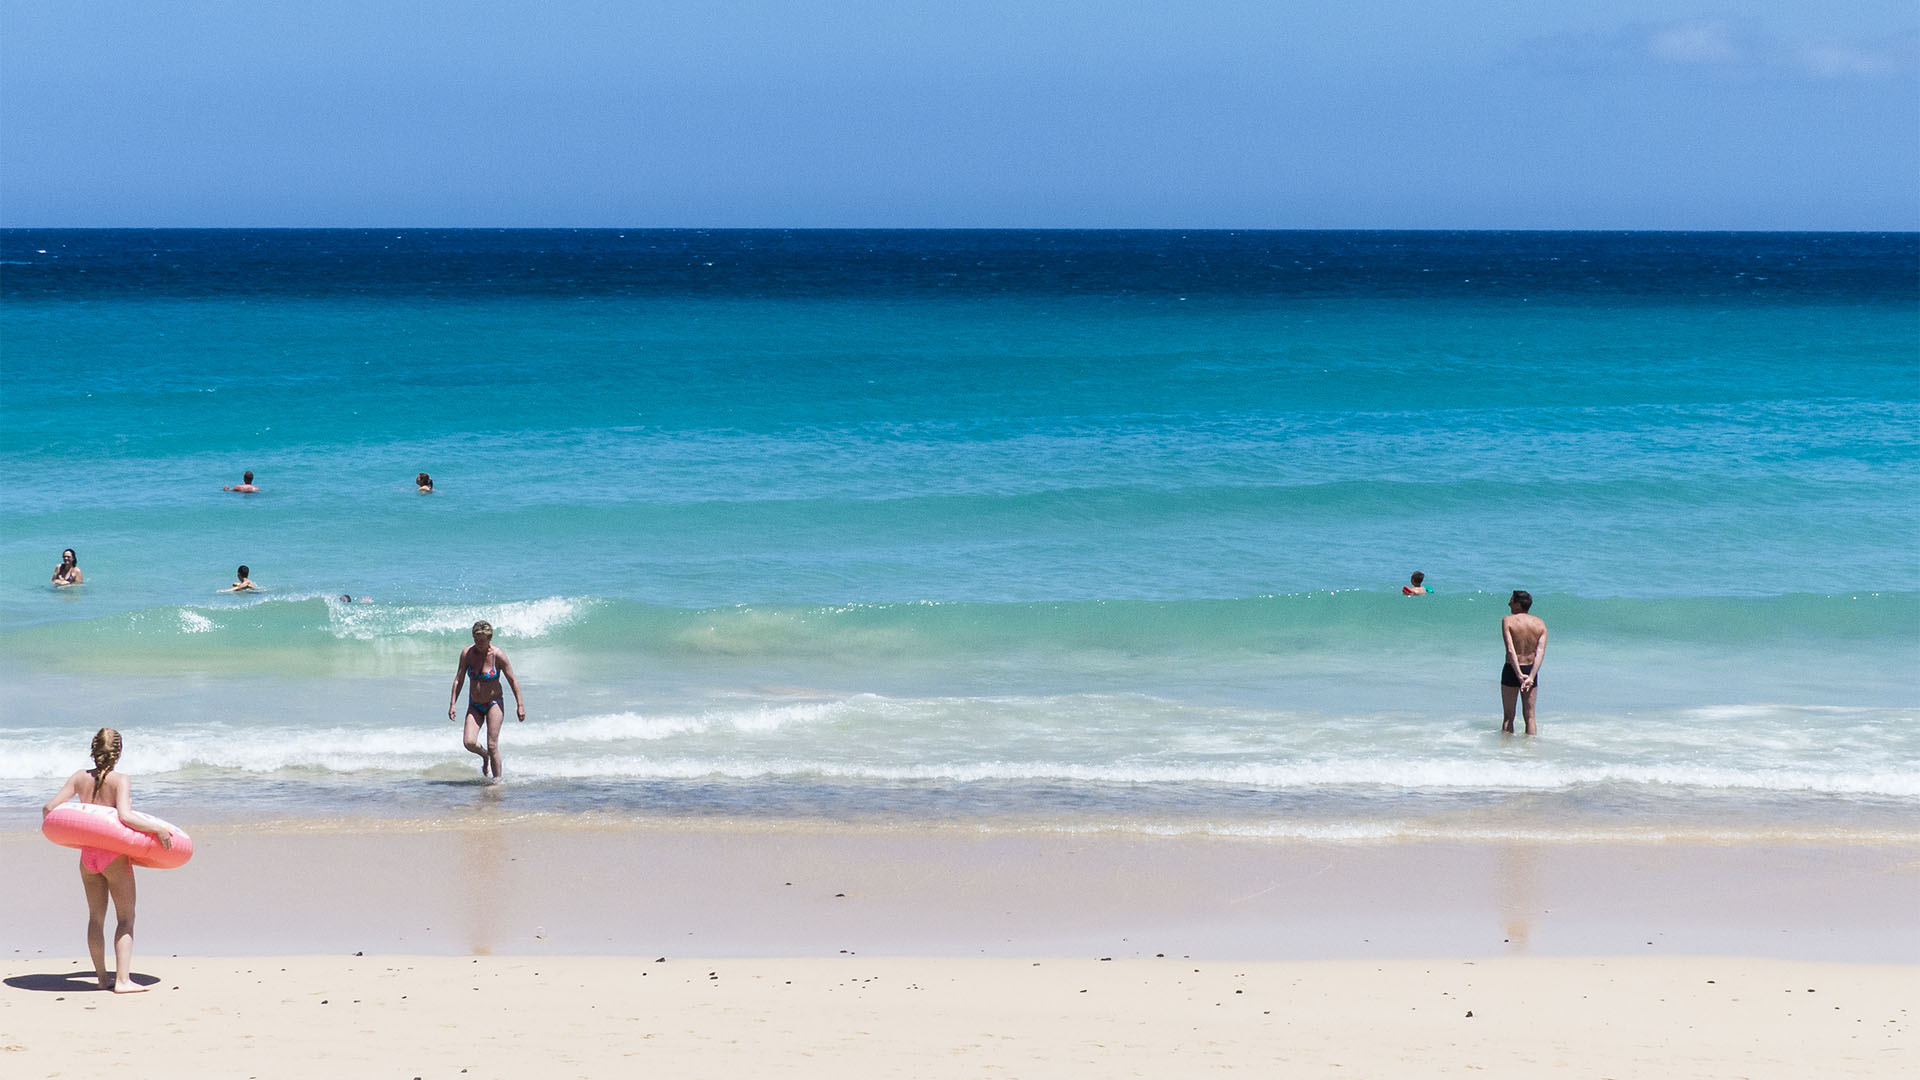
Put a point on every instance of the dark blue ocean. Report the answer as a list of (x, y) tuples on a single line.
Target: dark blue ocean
[(1057, 529)]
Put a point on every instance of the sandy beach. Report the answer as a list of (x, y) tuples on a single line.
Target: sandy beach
[(556, 946), (954, 1017)]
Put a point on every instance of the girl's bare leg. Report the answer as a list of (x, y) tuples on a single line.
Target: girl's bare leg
[(96, 886), (119, 877)]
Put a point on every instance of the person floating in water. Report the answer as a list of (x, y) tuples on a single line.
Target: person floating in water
[(245, 584), (104, 874), (424, 483), (245, 486), (68, 572), (1414, 586), (1525, 637), (485, 664)]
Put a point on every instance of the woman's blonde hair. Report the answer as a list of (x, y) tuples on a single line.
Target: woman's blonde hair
[(483, 627), (106, 754)]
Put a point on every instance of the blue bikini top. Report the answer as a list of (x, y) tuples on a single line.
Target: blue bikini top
[(491, 674)]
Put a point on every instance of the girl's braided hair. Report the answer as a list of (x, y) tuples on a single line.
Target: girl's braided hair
[(106, 754)]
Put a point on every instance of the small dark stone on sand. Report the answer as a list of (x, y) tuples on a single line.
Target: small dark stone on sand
[(660, 960), (363, 954), (839, 895), (1469, 1012)]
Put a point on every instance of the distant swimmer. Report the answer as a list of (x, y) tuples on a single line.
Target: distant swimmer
[(245, 486), (1415, 588), (424, 483), (1525, 637), (104, 874), (68, 572), (485, 664), (245, 584), (346, 599)]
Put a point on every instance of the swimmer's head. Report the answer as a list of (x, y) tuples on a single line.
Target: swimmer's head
[(345, 599), (482, 629), (423, 480), (69, 558), (106, 750), (1521, 599), (246, 477), (1418, 577), (243, 572)]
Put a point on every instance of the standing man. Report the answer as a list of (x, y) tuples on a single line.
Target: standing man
[(1526, 641)]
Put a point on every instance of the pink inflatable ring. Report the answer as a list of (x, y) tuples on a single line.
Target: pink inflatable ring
[(83, 825)]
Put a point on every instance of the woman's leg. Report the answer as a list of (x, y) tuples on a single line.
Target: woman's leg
[(495, 717), (470, 738), (96, 886), (119, 877)]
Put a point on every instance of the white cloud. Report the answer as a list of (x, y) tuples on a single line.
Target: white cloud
[(1839, 59), (1697, 42)]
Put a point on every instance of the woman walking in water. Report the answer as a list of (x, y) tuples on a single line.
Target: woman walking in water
[(485, 664), (104, 874)]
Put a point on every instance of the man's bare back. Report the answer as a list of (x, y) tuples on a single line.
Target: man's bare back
[(1525, 631)]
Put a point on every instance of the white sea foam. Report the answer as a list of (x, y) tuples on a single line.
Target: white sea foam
[(192, 622), (523, 620)]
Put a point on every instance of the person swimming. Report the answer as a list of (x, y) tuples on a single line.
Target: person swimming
[(424, 483), (68, 572), (245, 486), (245, 584), (104, 874), (484, 665), (1415, 586)]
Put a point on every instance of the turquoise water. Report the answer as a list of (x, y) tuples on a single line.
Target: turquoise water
[(1096, 529)]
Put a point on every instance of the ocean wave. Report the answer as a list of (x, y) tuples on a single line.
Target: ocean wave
[(628, 747), (1331, 621)]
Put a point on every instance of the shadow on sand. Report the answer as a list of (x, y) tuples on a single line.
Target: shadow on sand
[(72, 983)]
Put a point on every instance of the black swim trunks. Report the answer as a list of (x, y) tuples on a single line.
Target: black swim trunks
[(1508, 678)]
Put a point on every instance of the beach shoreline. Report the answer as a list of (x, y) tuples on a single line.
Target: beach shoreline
[(554, 886)]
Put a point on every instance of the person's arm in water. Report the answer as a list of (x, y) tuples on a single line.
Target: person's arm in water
[(67, 791), (459, 680), (506, 668), (131, 818)]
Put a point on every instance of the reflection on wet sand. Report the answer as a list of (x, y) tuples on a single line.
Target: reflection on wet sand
[(482, 851), (1517, 879)]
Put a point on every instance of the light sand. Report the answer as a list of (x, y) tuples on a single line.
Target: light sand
[(521, 948), (435, 1017)]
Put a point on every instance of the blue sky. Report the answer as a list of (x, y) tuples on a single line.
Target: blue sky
[(1213, 113)]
